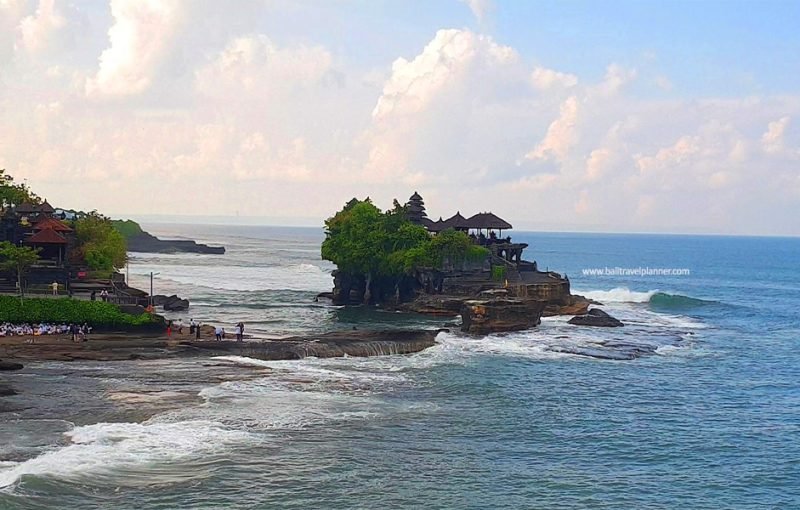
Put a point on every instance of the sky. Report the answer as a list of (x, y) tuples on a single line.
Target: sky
[(618, 116)]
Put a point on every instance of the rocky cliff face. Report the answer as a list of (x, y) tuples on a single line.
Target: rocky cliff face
[(148, 243), (483, 316)]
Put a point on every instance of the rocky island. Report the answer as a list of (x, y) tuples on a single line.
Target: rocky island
[(400, 259)]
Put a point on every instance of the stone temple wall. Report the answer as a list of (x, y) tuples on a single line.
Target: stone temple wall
[(552, 292)]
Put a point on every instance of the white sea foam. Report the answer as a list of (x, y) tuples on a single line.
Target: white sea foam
[(296, 277), (131, 454), (617, 295)]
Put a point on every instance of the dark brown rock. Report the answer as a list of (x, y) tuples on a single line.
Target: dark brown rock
[(483, 316), (6, 366), (596, 317), (360, 343)]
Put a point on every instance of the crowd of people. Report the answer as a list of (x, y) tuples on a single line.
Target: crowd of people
[(77, 332), (195, 328)]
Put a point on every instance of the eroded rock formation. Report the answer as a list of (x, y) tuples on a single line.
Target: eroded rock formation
[(483, 316)]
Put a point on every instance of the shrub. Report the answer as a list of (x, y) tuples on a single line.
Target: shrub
[(498, 273), (96, 313)]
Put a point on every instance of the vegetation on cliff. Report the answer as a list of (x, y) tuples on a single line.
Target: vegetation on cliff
[(99, 245), (128, 228), (13, 193), (362, 240), (17, 259), (38, 310)]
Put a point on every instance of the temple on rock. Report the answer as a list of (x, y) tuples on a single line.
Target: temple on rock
[(485, 229), (520, 277), (37, 226)]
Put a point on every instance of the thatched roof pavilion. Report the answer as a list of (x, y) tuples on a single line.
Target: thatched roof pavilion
[(487, 221)]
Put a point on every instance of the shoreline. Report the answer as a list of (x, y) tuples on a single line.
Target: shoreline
[(120, 346)]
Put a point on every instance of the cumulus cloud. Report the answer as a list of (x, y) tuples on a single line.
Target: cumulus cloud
[(39, 30), (480, 8), (448, 58), (252, 64), (772, 139), (139, 40), (561, 134), (544, 79), (227, 118)]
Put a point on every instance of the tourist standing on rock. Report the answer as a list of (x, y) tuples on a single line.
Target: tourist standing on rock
[(191, 326), (54, 286), (169, 329), (238, 331), (197, 331), (218, 333)]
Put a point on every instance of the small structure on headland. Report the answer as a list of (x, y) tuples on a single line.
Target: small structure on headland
[(37, 226), (501, 291)]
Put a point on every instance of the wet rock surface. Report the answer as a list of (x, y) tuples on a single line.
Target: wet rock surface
[(360, 343), (597, 318), (484, 316), (8, 366), (127, 346)]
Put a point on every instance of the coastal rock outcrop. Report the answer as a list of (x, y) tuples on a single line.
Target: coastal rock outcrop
[(573, 305), (171, 303), (7, 366), (360, 343), (483, 316), (596, 317), (148, 243), (434, 304)]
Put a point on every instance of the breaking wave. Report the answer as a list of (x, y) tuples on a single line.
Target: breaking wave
[(655, 298)]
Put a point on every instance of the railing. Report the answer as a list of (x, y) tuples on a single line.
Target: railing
[(122, 297)]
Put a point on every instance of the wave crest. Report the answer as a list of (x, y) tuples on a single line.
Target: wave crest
[(654, 297)]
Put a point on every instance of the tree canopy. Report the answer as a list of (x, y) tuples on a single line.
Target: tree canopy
[(362, 239), (100, 246), (17, 259), (12, 193)]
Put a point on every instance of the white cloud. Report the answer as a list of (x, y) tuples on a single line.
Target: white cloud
[(544, 79), (561, 134), (480, 8), (139, 40), (615, 79), (772, 139), (449, 57), (39, 30), (225, 118), (253, 65)]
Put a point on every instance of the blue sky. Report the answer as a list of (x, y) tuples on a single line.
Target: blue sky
[(627, 116)]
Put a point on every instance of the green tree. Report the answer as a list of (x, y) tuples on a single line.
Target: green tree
[(360, 239), (355, 240), (17, 259), (14, 194), (99, 245)]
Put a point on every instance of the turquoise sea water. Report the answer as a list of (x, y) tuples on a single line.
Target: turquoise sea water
[(711, 420)]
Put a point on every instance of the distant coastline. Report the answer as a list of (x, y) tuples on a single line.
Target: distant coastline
[(142, 241)]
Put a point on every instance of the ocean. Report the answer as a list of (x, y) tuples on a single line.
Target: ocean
[(710, 420)]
